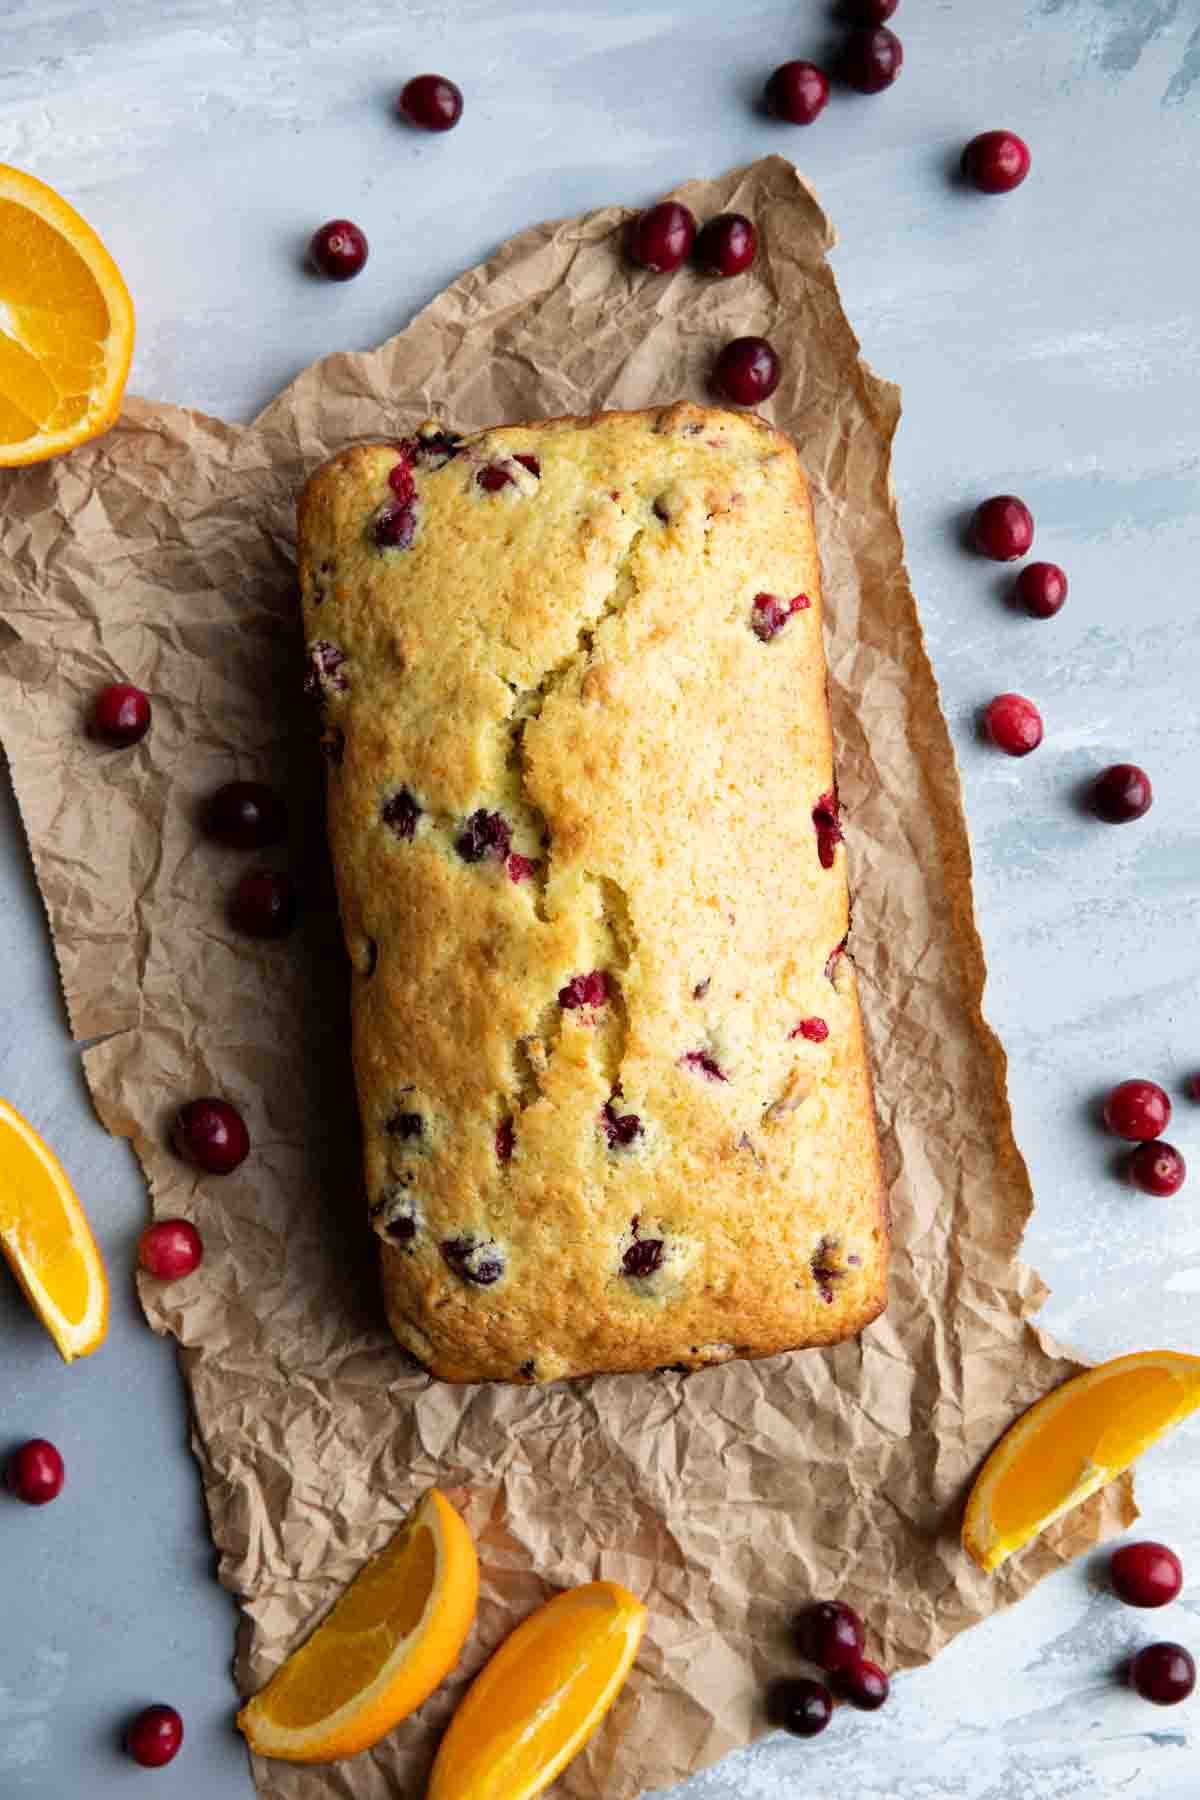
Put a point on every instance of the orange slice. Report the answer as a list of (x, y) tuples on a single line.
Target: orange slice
[(541, 1696), (1071, 1443), (47, 1240), (395, 1634), (66, 325)]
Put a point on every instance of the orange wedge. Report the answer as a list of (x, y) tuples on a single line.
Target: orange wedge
[(48, 1241), (1071, 1443), (395, 1634), (541, 1696), (66, 325)]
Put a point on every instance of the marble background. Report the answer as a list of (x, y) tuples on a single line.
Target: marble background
[(1048, 344)]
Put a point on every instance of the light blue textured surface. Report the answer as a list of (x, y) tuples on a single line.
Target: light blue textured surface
[(1047, 343)]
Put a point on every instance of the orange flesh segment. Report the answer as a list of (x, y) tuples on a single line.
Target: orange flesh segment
[(47, 1240), (1107, 1434), (371, 1620)]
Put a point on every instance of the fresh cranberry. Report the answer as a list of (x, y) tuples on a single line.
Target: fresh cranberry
[(1014, 724), (338, 249), (1137, 1110), (169, 1249), (747, 371), (871, 60), (36, 1472), (505, 1139), (796, 92), (871, 12), (1163, 1673), (584, 990), (770, 614), (1002, 528), (826, 818), (120, 715), (863, 1684), (827, 1271), (1146, 1574), (708, 1065), (642, 1258), (264, 904), (996, 161), (800, 1706), (1194, 1087), (727, 245), (520, 868), (431, 102), (1157, 1169), (1041, 587), (246, 815), (485, 834), (394, 527), (662, 237), (1122, 793), (815, 1030), (401, 813), (621, 1129), (154, 1737), (830, 1634), (211, 1134)]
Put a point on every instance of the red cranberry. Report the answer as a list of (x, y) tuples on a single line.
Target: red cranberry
[(863, 1684), (871, 12), (830, 1634), (769, 614), (727, 245), (996, 161), (1122, 793), (827, 823), (708, 1065), (815, 1030), (120, 715), (264, 904), (394, 527), (1194, 1087), (662, 237), (520, 868), (796, 92), (431, 102), (400, 480), (643, 1258), (621, 1129), (154, 1737), (1041, 587), (800, 1706), (1137, 1110), (481, 1263), (338, 249), (169, 1249), (246, 815), (505, 1137), (872, 60), (36, 1472), (211, 1134), (584, 990), (1158, 1169), (747, 371), (1163, 1673), (1014, 724), (1002, 528), (1146, 1574)]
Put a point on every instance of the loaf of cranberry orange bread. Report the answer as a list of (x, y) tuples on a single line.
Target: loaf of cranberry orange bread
[(615, 1103)]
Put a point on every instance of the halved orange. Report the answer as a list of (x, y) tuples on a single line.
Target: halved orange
[(541, 1696), (47, 1240), (394, 1635), (66, 325), (1071, 1443)]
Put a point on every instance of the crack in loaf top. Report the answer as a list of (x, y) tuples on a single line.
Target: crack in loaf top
[(590, 863)]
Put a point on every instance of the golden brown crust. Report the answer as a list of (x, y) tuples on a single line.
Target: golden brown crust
[(565, 751)]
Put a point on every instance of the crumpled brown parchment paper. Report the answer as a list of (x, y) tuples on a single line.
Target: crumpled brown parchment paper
[(163, 554)]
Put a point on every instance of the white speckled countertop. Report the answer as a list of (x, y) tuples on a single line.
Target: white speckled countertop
[(1048, 343)]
